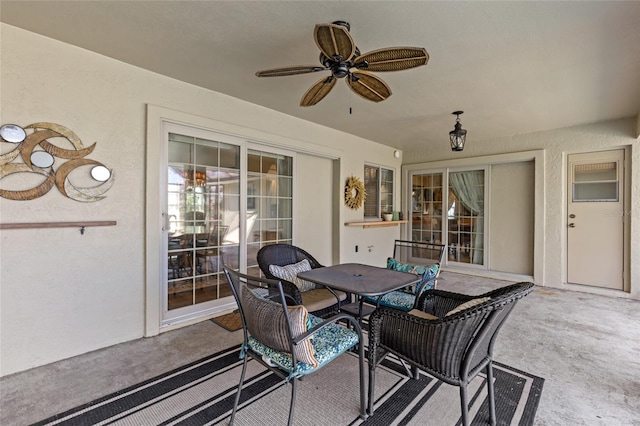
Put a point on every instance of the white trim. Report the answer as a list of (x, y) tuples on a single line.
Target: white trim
[(254, 135)]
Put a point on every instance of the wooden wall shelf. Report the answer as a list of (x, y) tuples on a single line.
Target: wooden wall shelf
[(376, 224)]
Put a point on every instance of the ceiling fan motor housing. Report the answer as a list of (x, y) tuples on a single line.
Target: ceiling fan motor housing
[(340, 70), (338, 67)]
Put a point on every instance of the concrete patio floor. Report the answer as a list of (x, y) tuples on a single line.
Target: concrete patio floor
[(585, 346)]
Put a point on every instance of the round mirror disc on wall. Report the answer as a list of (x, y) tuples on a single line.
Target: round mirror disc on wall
[(100, 173), (12, 133), (42, 159)]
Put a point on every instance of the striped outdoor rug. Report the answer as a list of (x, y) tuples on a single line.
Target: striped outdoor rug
[(202, 393)]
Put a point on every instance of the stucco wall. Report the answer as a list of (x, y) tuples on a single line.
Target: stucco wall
[(63, 293), (557, 145)]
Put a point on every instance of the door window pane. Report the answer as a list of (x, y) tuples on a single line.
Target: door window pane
[(595, 182), (207, 155)]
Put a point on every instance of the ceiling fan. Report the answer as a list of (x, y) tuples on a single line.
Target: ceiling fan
[(340, 55)]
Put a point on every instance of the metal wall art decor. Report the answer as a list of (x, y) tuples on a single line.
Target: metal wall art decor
[(30, 151), (354, 193)]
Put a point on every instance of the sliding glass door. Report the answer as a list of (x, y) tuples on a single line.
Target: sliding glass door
[(203, 195), (225, 198), (465, 217), (448, 207), (269, 202)]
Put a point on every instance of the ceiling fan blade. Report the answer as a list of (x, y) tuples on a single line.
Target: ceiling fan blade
[(392, 59), (280, 72), (318, 91), (368, 86), (334, 41)]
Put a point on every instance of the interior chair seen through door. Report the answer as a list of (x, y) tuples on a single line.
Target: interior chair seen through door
[(286, 339)]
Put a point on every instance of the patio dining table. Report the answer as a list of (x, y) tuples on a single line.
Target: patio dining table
[(360, 280)]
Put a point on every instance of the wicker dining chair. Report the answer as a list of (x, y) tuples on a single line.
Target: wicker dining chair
[(449, 336), (419, 257), (320, 301), (287, 339)]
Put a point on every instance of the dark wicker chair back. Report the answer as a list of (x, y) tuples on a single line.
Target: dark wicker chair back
[(418, 252), (453, 348), (282, 255), (287, 332), (287, 254)]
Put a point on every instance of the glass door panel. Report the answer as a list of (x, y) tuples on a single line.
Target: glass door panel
[(448, 208), (426, 207), (269, 203), (465, 217), (203, 197)]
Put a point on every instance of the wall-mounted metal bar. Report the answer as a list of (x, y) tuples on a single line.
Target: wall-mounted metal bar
[(57, 224)]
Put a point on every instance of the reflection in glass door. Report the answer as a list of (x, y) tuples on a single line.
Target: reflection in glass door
[(203, 205)]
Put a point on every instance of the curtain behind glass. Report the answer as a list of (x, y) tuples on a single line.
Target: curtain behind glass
[(468, 186)]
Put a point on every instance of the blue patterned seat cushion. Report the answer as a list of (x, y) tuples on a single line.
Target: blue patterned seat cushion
[(404, 299), (426, 273), (328, 343), (399, 299)]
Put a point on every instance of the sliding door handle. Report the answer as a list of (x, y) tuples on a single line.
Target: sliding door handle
[(165, 222)]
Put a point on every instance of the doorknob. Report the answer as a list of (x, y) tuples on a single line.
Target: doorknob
[(572, 225)]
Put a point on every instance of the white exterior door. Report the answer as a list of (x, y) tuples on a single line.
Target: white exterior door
[(595, 233)]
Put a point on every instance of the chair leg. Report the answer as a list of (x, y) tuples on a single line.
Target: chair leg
[(490, 391), (464, 403), (294, 383), (363, 411), (237, 401), (372, 379)]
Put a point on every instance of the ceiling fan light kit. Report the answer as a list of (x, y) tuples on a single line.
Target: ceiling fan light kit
[(340, 56), (458, 135)]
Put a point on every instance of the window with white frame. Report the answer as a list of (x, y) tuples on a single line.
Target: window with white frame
[(378, 183)]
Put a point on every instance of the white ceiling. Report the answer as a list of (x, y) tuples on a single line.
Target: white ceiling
[(513, 67)]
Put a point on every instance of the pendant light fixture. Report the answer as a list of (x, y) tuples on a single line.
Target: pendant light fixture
[(458, 135)]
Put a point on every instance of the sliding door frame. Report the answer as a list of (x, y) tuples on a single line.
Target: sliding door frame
[(155, 169), (538, 158)]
